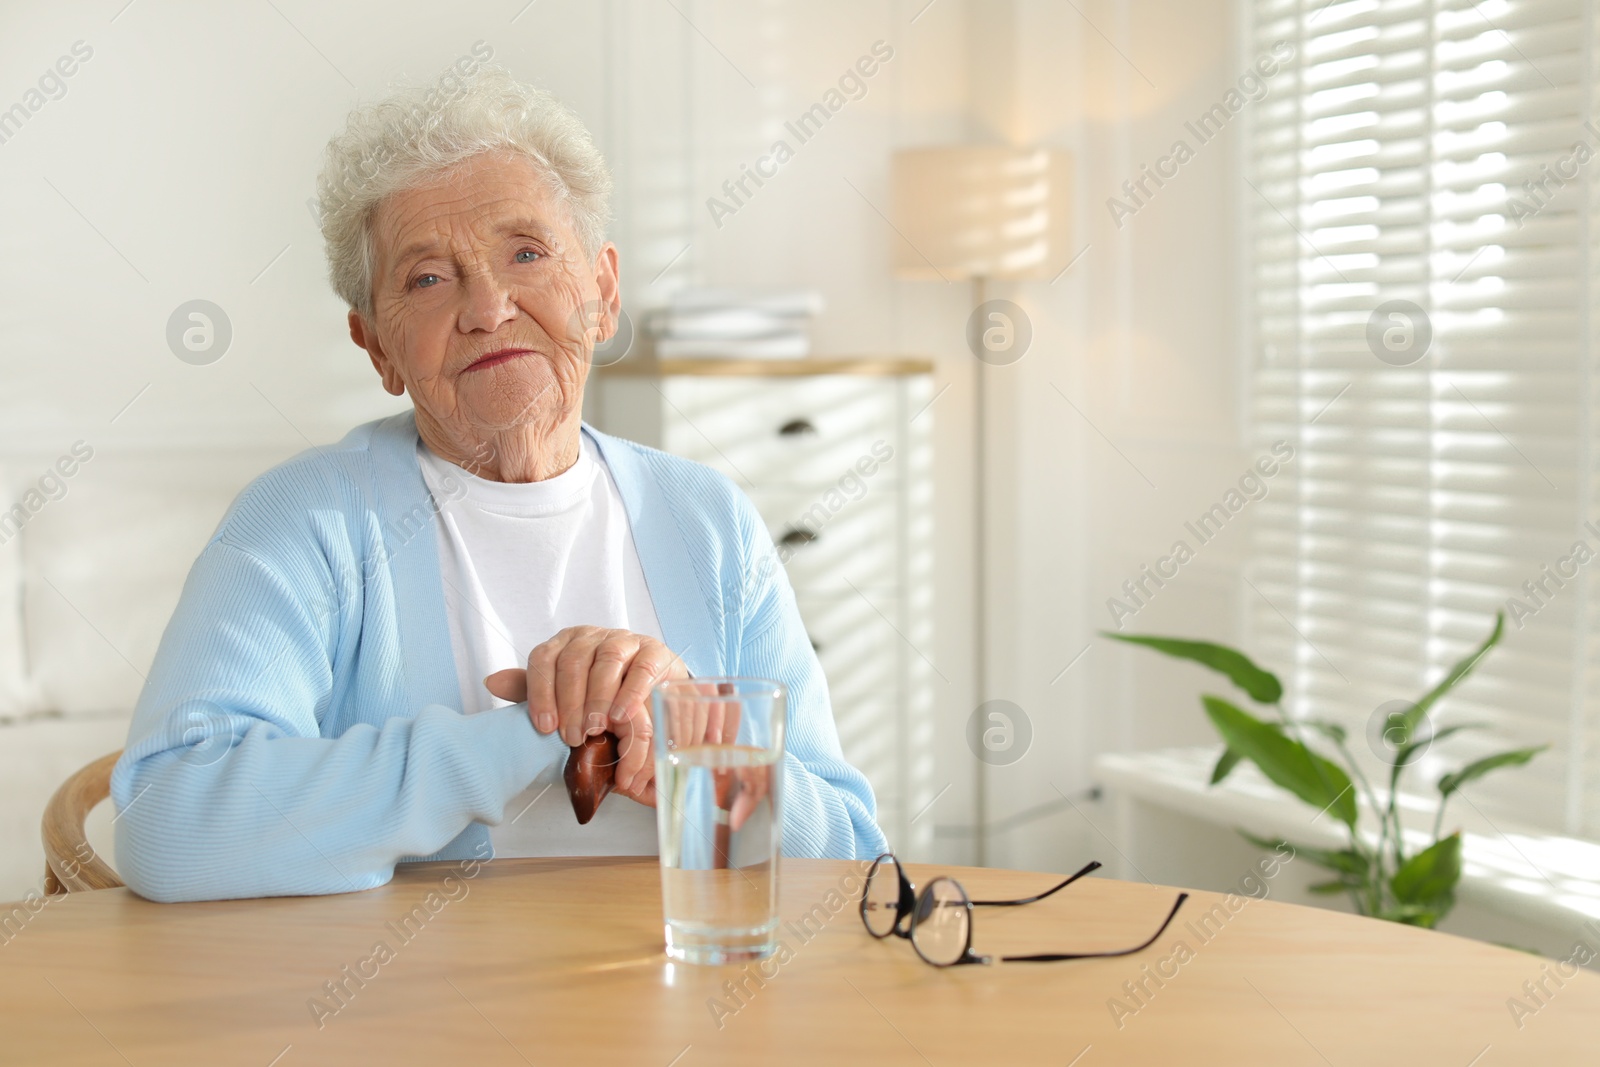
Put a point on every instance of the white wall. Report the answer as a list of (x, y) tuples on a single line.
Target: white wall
[(1140, 336), (179, 163)]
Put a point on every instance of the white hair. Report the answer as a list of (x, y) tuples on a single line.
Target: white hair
[(417, 132)]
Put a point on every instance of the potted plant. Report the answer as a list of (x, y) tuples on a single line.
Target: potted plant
[(1382, 877)]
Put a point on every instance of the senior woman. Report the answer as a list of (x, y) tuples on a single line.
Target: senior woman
[(330, 696)]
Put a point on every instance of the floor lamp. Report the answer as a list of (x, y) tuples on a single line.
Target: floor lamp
[(978, 213)]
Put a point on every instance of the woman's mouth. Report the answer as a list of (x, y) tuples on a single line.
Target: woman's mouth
[(494, 359)]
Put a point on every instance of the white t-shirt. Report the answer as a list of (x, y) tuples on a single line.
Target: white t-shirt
[(521, 561)]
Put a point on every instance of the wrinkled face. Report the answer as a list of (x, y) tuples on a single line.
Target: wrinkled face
[(485, 308)]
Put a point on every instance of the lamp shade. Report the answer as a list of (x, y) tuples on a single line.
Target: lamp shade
[(989, 211)]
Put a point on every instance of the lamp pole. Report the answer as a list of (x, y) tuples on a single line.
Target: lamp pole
[(980, 577), (961, 212)]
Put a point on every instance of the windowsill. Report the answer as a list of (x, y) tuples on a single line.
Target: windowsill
[(1507, 868)]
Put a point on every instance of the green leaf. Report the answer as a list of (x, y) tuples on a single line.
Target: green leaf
[(1427, 881), (1262, 686), (1287, 762), (1225, 764), (1478, 768), (1457, 728), (1328, 889), (1268, 844), (1415, 914), (1331, 730), (1345, 861), (1412, 717)]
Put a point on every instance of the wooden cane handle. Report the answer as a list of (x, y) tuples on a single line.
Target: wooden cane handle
[(591, 773)]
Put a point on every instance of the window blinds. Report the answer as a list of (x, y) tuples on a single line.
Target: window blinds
[(1427, 151)]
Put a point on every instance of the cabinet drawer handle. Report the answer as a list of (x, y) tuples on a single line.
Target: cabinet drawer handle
[(796, 427), (794, 537)]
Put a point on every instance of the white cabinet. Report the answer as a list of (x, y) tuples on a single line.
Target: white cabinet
[(835, 455)]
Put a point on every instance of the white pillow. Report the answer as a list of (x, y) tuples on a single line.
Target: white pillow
[(18, 696), (104, 566)]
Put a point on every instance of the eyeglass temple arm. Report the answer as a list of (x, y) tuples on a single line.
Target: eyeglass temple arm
[(1092, 866), (1052, 957)]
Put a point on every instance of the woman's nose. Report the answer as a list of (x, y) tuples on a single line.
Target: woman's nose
[(488, 303)]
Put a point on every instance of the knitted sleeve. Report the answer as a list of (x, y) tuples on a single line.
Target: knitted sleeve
[(227, 787)]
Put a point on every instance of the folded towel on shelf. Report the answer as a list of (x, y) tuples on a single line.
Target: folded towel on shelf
[(722, 322), (794, 303), (725, 323), (788, 345)]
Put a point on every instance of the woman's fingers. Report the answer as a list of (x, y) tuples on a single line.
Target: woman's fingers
[(752, 790), (644, 792), (541, 684), (650, 663), (573, 664), (587, 679), (636, 763), (744, 805), (614, 658), (510, 684)]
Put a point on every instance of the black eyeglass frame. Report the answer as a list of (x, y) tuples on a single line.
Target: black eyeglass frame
[(908, 900)]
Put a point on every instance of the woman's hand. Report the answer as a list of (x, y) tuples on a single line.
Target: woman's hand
[(587, 680)]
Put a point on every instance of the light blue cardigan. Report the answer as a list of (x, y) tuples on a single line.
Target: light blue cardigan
[(299, 730)]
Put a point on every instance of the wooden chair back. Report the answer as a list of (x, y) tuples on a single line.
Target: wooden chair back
[(71, 865)]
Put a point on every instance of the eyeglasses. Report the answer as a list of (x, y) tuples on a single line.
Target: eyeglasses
[(940, 926)]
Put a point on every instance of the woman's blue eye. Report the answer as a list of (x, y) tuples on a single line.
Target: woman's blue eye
[(423, 282), (526, 252)]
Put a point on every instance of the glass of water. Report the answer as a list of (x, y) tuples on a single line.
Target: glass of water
[(719, 755)]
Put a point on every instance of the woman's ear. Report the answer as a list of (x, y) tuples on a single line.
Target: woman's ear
[(608, 281), (367, 338)]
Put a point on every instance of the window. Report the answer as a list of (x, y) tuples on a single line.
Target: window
[(1441, 153)]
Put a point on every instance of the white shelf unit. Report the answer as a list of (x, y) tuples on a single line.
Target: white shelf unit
[(835, 454)]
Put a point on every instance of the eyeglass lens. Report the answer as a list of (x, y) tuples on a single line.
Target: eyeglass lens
[(880, 901), (941, 925)]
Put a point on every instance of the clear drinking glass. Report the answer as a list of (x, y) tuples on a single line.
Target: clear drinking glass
[(719, 755)]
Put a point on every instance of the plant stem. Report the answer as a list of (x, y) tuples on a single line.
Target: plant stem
[(1360, 777), (1395, 831), (1375, 871), (1376, 875)]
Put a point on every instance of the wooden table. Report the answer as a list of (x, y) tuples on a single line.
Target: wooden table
[(559, 961)]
